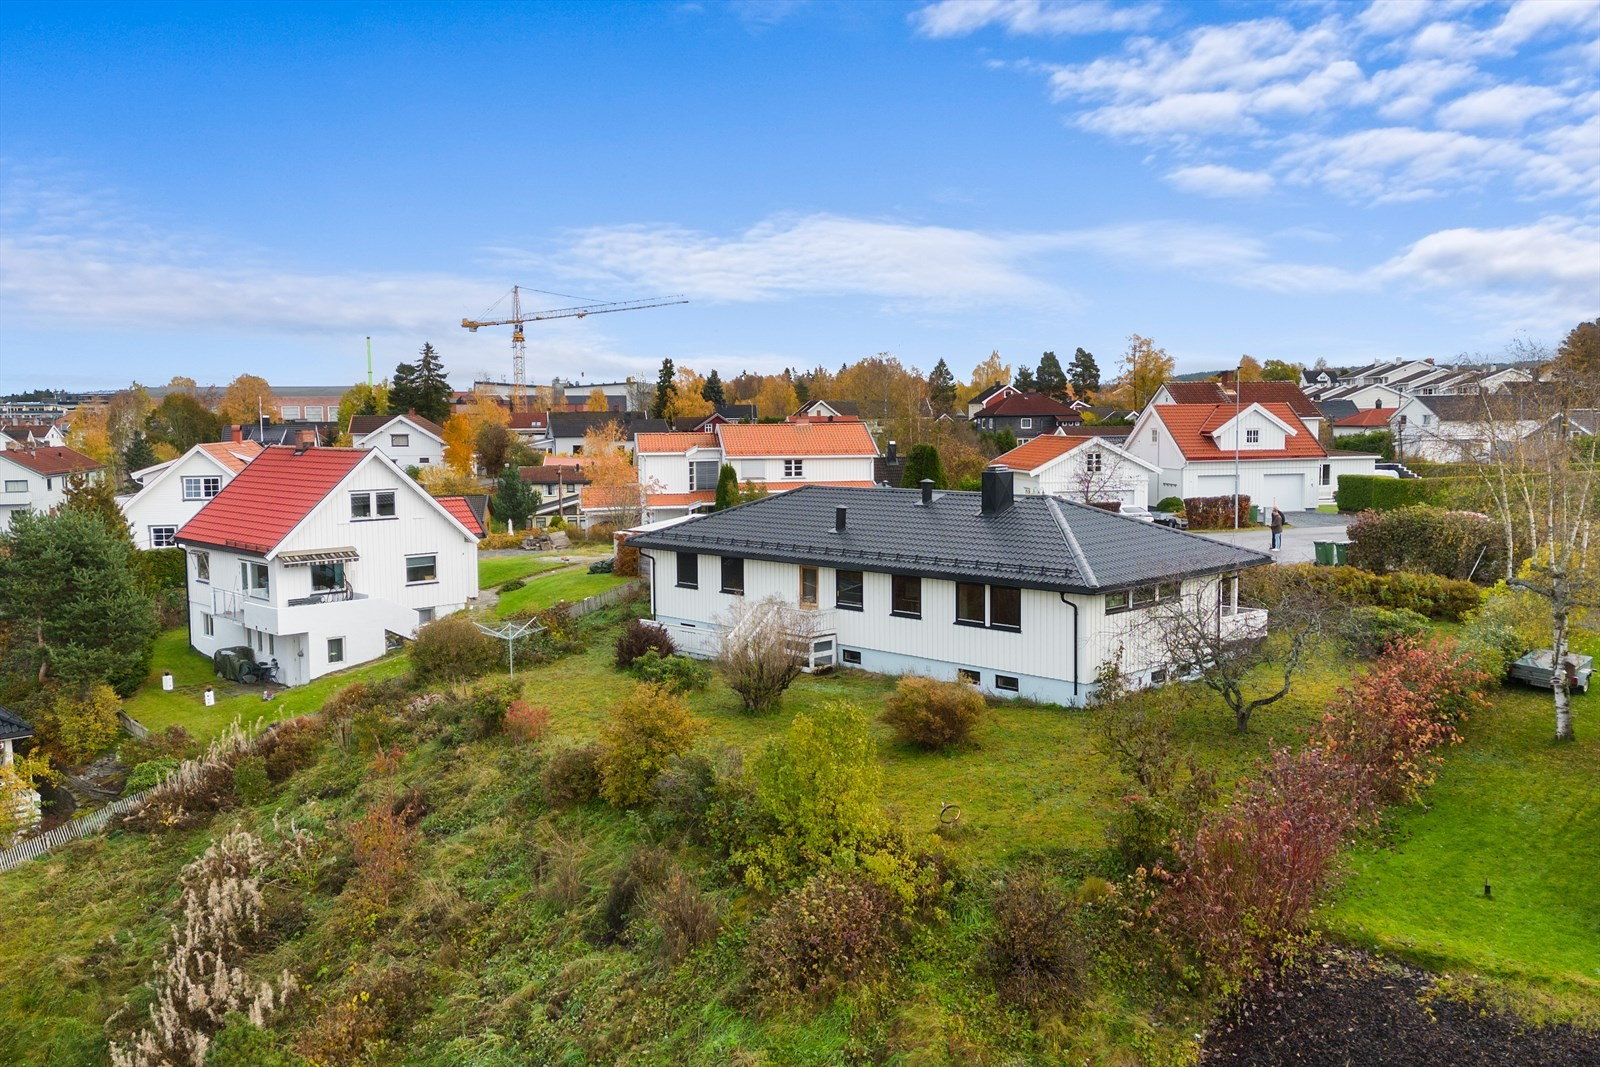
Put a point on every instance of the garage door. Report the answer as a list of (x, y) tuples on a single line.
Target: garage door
[(1214, 485), (1285, 490)]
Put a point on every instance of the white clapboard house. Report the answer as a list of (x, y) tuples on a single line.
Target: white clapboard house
[(1090, 470), (172, 493), (1019, 595), (314, 557)]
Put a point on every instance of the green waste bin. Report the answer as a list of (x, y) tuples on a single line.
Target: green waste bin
[(1325, 553), (1341, 553), (1255, 514)]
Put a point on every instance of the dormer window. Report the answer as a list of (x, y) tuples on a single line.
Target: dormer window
[(1252, 437)]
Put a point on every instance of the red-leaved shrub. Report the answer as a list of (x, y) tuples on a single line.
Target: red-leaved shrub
[(526, 722), (827, 932)]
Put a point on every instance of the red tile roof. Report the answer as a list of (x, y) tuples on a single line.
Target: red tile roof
[(1195, 392), (563, 461), (1037, 452), (678, 500), (1026, 404), (234, 455), (457, 506), (610, 496), (267, 499), (1374, 417), (797, 439), (1280, 393), (51, 461), (1191, 426), (673, 442)]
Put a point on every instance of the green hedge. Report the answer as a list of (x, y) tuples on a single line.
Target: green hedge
[(1359, 492), (1428, 540), (1438, 598)]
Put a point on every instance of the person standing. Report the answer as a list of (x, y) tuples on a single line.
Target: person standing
[(1277, 528)]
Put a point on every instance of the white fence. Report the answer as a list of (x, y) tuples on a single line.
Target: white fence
[(605, 599), (92, 823)]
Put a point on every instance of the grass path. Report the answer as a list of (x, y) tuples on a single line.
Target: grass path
[(573, 583)]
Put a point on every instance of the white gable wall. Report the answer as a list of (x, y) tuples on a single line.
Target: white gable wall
[(420, 448), (161, 501)]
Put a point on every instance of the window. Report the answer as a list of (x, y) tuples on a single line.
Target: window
[(970, 604), (1327, 474), (1026, 424), (794, 468), (424, 616), (163, 536), (253, 579), (326, 576), (1007, 683), (208, 625), (201, 488), (291, 412), (1119, 601), (848, 590), (1005, 607), (968, 675), (732, 575), (905, 596), (850, 656), (688, 570), (16, 485), (202, 566), (313, 412), (808, 587), (421, 569), (335, 650), (399, 440), (1093, 462), (1252, 437), (1427, 420), (1155, 435), (377, 504), (703, 475), (1141, 597)]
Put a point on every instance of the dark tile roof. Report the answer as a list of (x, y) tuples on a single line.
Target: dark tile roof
[(361, 425), (578, 423), (1028, 404), (12, 725), (1039, 541), (1334, 410)]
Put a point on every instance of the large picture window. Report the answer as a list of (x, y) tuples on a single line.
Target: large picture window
[(421, 569), (905, 596), (849, 590), (688, 570), (732, 575)]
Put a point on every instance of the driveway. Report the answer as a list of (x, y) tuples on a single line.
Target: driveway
[(1303, 528)]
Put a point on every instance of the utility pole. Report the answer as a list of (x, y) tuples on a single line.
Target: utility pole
[(1238, 432)]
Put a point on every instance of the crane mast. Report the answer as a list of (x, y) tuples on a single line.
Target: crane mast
[(519, 348)]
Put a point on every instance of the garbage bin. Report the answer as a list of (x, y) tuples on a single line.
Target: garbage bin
[(1325, 553), (1341, 553)]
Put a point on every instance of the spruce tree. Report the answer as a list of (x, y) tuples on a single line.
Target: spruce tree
[(1051, 379), (712, 391), (431, 389), (666, 390), (922, 461), (138, 455), (403, 393), (1084, 373), (941, 388), (1024, 379), (514, 501)]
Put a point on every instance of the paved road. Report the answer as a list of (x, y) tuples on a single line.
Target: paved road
[(1303, 529)]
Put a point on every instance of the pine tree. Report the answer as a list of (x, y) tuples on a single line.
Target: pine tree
[(431, 396), (138, 455), (712, 390), (1084, 373), (666, 389), (922, 461), (941, 388), (514, 502), (403, 389), (1051, 379), (727, 488), (1025, 380)]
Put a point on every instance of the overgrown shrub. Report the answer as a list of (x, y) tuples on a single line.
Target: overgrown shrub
[(675, 674), (1215, 512), (250, 783), (643, 871), (1035, 955), (1369, 630), (197, 789), (1171, 505), (241, 1043), (1255, 869), (513, 585), (639, 637), (290, 745), (75, 726), (527, 722), (643, 732), (149, 773), (1428, 540), (479, 711), (452, 649), (828, 932), (763, 651), (932, 714), (1165, 788), (171, 607), (571, 776), (172, 743), (1360, 492), (685, 917), (1441, 599), (1516, 619), (383, 842)]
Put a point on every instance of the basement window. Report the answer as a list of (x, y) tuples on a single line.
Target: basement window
[(1007, 683), (335, 650), (968, 675), (850, 656)]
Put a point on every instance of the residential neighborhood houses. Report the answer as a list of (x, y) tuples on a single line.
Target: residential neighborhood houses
[(172, 493), (36, 479), (410, 440)]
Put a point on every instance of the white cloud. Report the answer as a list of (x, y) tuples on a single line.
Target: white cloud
[(1050, 18), (1212, 179), (1503, 106)]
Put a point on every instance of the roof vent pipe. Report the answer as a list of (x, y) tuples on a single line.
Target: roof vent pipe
[(927, 490), (838, 519), (996, 489)]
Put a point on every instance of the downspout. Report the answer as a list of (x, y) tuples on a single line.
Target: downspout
[(1073, 604)]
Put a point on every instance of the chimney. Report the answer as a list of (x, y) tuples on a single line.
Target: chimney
[(996, 490), (838, 519), (894, 452), (927, 491)]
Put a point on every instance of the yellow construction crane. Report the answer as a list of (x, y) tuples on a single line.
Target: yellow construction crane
[(519, 356)]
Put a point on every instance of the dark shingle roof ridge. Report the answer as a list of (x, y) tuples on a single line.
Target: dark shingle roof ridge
[(1079, 557), (12, 725)]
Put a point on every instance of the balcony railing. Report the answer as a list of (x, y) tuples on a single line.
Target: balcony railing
[(326, 596)]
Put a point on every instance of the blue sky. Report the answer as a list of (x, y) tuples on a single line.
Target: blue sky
[(210, 189)]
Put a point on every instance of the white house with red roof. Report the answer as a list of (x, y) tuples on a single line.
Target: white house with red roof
[(1260, 450), (1090, 470), (35, 479), (314, 557), (172, 493)]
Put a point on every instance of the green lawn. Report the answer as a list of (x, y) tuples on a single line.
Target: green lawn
[(573, 585), (1513, 808), (185, 705), (497, 570)]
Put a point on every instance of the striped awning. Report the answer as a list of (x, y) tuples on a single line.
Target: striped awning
[(319, 555)]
